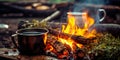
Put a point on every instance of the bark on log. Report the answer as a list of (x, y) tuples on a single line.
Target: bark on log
[(78, 39)]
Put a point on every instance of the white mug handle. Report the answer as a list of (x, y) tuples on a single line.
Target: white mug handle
[(102, 10)]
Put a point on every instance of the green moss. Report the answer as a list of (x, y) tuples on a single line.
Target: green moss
[(108, 47)]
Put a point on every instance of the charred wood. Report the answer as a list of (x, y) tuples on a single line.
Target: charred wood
[(78, 39)]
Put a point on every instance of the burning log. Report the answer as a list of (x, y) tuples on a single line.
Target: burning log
[(56, 49), (78, 39)]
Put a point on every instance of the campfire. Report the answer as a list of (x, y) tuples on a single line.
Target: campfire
[(64, 44)]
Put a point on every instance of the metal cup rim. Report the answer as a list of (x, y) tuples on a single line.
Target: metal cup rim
[(19, 32), (76, 13)]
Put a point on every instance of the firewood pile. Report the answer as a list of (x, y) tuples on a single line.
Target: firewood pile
[(63, 51)]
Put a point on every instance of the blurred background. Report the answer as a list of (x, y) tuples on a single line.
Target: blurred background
[(14, 11)]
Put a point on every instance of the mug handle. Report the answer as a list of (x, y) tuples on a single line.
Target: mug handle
[(102, 10), (13, 40)]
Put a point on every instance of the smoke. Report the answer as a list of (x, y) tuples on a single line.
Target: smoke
[(88, 5)]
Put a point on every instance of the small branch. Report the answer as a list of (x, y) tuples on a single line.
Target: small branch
[(51, 16)]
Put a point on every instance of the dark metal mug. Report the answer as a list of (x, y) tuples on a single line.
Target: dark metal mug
[(31, 41)]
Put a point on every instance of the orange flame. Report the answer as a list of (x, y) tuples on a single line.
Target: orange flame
[(70, 42), (73, 29), (45, 39)]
